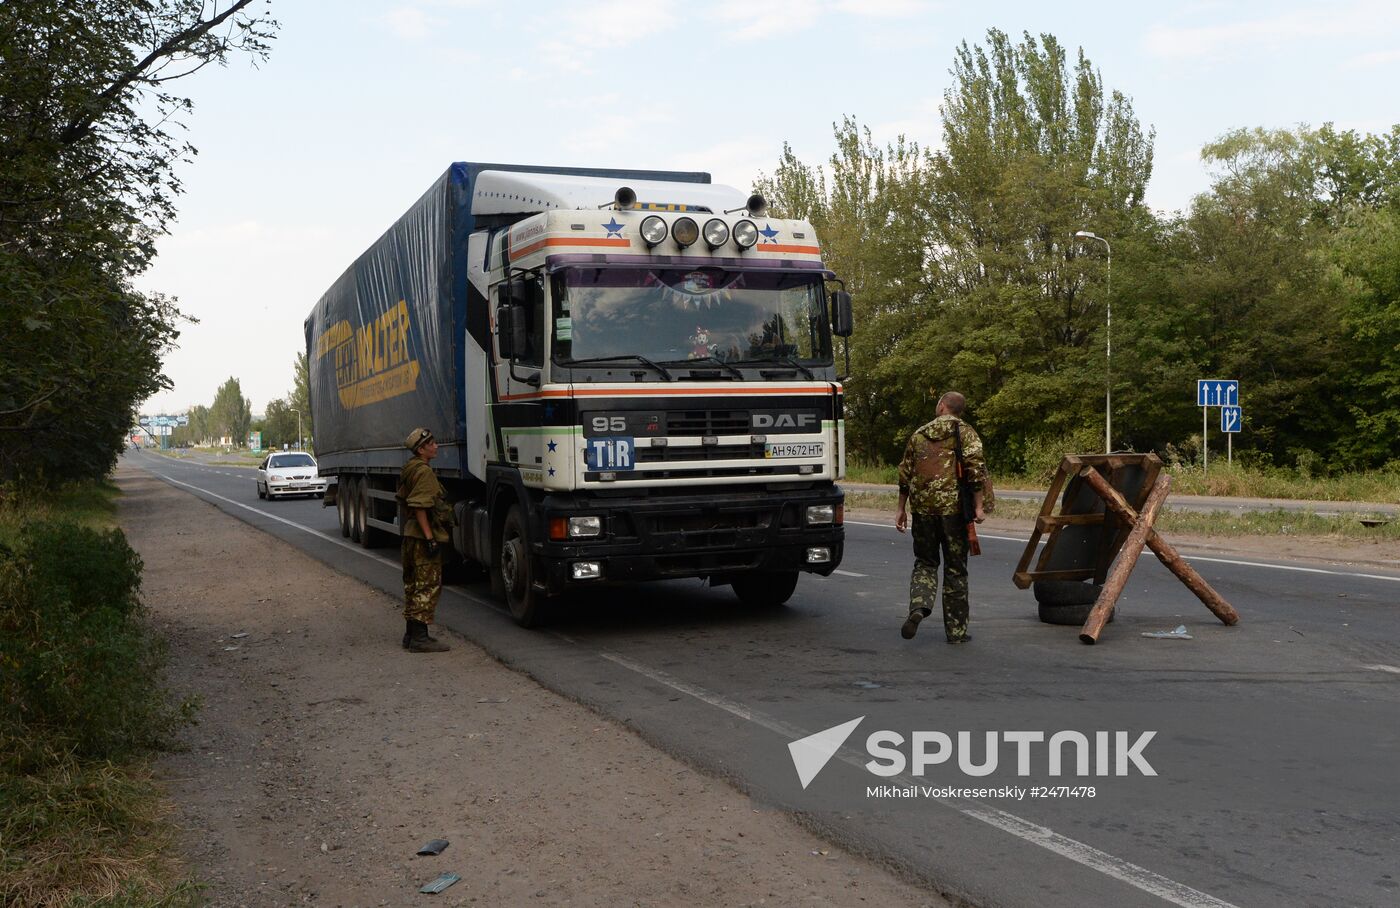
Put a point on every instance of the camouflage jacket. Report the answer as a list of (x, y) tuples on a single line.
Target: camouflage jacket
[(927, 473), (419, 488)]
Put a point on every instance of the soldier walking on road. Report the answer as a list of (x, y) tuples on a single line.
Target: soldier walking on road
[(425, 519), (928, 484)]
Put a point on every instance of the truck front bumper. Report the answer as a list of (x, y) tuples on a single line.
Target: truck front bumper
[(675, 536)]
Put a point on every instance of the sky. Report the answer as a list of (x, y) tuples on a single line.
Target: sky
[(306, 159)]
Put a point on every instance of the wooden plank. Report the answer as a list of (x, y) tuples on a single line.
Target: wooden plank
[(1168, 555), (1127, 560)]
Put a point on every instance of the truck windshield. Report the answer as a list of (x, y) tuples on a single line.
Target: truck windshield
[(677, 315)]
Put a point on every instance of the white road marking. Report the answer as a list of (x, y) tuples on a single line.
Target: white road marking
[(1394, 670), (1077, 851), (848, 573), (1147, 554), (291, 523)]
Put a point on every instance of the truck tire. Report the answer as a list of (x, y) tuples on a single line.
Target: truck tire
[(516, 572), (356, 515), (342, 505), (1066, 602), (765, 590)]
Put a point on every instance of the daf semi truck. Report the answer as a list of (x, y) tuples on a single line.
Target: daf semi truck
[(630, 376)]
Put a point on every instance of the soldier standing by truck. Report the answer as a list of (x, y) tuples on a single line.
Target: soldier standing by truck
[(425, 532)]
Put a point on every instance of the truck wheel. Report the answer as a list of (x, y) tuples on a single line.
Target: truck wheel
[(516, 575), (765, 590), (342, 505), (356, 514)]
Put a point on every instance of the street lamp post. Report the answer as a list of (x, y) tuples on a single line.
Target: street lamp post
[(1108, 344), (298, 413)]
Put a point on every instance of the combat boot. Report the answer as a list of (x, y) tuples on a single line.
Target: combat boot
[(407, 632), (420, 642)]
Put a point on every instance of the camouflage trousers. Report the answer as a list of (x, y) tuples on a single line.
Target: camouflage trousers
[(945, 536), (422, 580)]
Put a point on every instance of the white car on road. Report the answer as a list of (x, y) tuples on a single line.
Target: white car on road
[(289, 473)]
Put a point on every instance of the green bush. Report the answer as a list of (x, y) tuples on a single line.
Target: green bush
[(79, 671)]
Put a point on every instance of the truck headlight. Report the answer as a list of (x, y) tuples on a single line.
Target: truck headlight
[(746, 234), (820, 515), (716, 233), (685, 231), (654, 230), (585, 527)]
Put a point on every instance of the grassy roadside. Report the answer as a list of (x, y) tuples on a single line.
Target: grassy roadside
[(1223, 480), (81, 712), (1249, 523)]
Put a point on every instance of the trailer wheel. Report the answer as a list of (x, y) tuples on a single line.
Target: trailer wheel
[(516, 574), (765, 590), (356, 514), (342, 505)]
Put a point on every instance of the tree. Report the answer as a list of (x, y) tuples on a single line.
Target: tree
[(88, 149), (279, 424), (1034, 151), (231, 414), (300, 395), (870, 222)]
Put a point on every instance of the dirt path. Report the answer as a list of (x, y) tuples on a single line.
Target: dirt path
[(325, 756)]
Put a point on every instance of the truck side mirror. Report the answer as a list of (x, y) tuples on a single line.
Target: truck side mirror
[(506, 317), (519, 331), (842, 319)]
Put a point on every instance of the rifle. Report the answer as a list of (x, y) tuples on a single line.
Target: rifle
[(966, 502)]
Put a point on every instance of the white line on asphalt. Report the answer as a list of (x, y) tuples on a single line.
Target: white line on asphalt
[(1077, 851), (1383, 668), (1258, 564), (291, 523), (848, 573)]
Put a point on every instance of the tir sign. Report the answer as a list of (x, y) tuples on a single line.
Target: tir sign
[(610, 453)]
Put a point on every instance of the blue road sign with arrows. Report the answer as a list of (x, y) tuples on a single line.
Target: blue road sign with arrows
[(1231, 418), (1217, 392)]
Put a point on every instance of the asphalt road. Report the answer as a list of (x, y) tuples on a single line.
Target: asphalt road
[(1275, 749)]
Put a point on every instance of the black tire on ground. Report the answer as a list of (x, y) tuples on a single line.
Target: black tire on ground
[(516, 573), (1065, 592), (356, 514), (765, 590), (262, 492), (342, 505), (1066, 602)]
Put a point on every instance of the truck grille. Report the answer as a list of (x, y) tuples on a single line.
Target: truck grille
[(707, 422), (705, 452)]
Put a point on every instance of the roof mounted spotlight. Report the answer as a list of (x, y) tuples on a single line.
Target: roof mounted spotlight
[(757, 204), (746, 234), (626, 198), (716, 233), (685, 231), (654, 230)]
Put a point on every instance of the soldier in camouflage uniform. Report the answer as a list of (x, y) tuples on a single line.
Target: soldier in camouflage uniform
[(425, 519), (928, 483)]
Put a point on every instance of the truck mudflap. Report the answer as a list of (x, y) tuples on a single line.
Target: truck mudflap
[(676, 536)]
